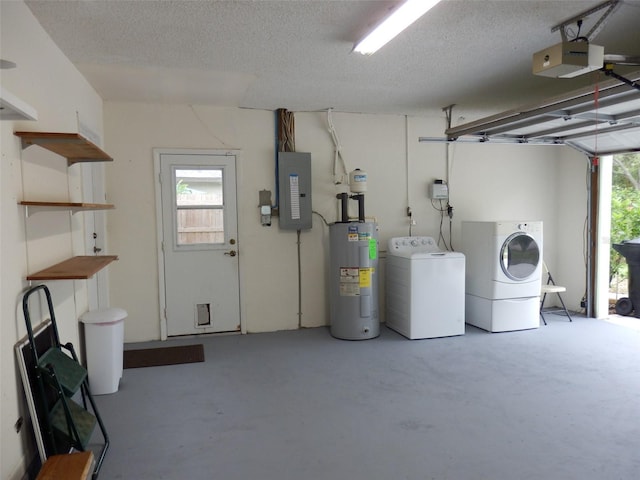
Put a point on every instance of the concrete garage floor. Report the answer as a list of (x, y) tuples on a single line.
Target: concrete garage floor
[(554, 403)]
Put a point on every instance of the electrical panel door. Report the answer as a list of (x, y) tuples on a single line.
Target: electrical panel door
[(294, 185)]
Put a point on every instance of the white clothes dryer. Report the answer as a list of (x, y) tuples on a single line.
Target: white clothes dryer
[(503, 275), (424, 289)]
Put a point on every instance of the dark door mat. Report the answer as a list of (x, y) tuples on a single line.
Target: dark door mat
[(153, 357)]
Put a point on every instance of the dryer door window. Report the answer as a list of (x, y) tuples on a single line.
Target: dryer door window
[(520, 256)]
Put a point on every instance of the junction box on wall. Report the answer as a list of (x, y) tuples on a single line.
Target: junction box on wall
[(438, 190)]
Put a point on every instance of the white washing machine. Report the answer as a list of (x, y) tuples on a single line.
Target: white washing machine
[(424, 289), (503, 274)]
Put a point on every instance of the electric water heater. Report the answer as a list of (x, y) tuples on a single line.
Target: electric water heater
[(353, 295)]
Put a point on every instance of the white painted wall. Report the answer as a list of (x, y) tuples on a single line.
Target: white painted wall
[(487, 182), (45, 79)]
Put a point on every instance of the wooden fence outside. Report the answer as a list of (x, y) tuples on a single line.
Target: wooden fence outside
[(204, 225)]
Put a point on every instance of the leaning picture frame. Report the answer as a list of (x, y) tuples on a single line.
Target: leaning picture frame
[(43, 338)]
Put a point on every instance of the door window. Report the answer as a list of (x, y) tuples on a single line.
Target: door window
[(199, 206), (520, 256)]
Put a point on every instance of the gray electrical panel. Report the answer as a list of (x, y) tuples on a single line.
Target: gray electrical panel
[(294, 190)]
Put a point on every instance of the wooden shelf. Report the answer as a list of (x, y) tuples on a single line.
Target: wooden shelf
[(74, 147), (34, 207), (72, 466), (75, 268), (12, 108)]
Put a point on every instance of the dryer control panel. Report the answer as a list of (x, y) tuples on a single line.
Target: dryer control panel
[(400, 245)]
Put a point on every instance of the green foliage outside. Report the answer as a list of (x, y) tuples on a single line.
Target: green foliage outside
[(625, 207), (181, 187)]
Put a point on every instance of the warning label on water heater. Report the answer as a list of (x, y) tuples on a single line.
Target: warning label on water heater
[(349, 281), (352, 279), (365, 277), (352, 234)]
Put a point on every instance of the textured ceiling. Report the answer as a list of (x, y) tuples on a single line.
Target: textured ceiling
[(267, 54)]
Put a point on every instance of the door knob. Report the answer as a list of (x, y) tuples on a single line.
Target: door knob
[(96, 249), (231, 253)]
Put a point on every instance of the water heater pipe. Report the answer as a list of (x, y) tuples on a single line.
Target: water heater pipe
[(344, 206), (360, 198)]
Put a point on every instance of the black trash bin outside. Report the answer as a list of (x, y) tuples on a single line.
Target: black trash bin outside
[(630, 250)]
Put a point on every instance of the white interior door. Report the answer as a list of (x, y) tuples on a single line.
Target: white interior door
[(95, 232), (199, 242)]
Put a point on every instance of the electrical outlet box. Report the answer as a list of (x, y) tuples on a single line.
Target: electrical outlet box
[(438, 191), (294, 185)]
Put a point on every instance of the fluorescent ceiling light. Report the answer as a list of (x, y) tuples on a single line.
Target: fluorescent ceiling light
[(395, 23)]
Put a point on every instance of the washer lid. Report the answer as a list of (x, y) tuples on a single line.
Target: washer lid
[(435, 255), (519, 256)]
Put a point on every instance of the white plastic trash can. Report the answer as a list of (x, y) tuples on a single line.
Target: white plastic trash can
[(104, 342)]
